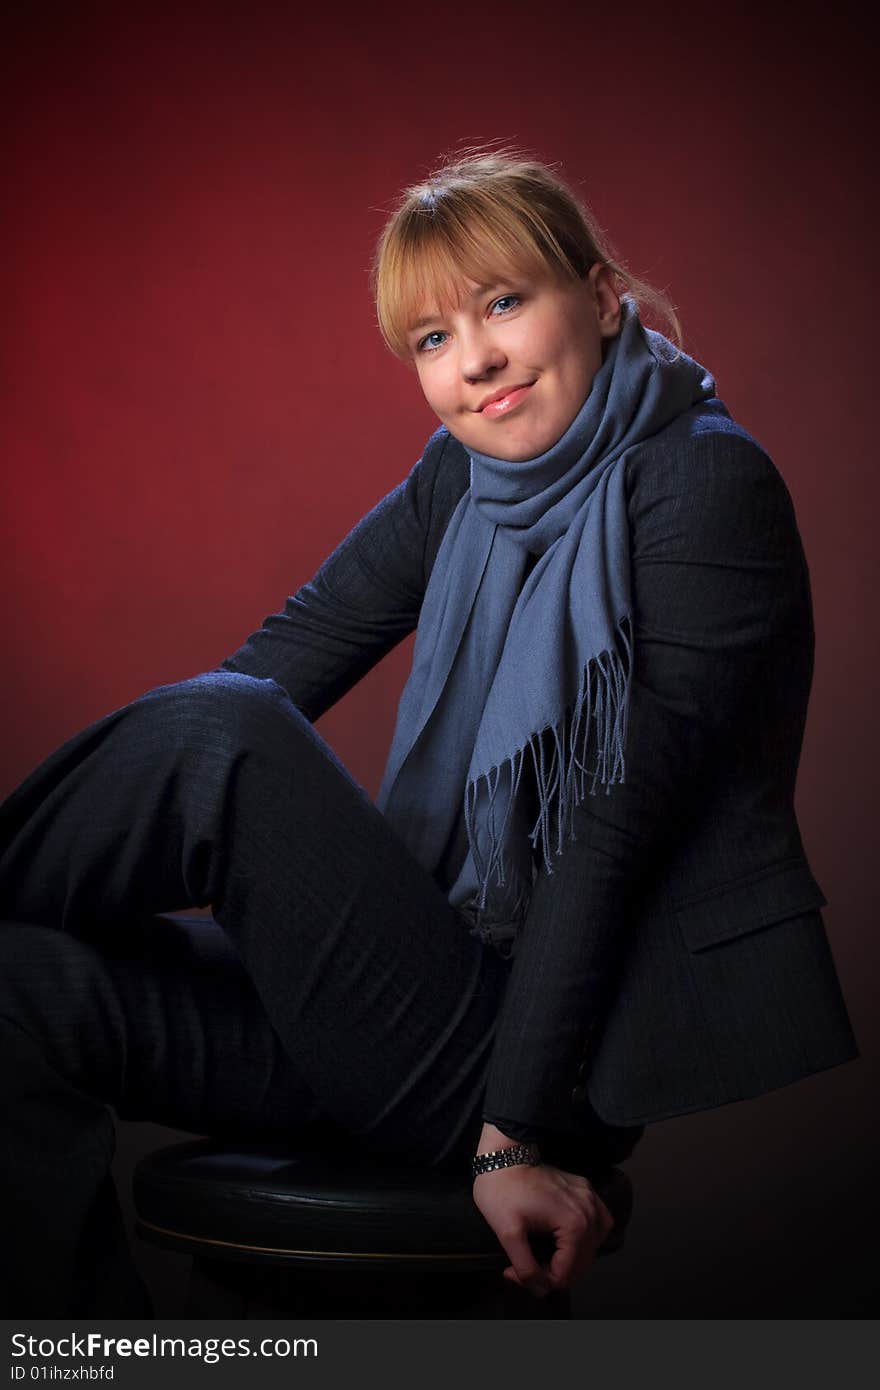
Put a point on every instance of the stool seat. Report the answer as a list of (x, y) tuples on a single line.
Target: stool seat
[(278, 1206)]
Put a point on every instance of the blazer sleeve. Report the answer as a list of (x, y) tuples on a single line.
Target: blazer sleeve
[(721, 618), (363, 600)]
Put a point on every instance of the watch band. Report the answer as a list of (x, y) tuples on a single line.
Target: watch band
[(505, 1158)]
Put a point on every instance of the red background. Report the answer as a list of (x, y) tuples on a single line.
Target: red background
[(197, 406)]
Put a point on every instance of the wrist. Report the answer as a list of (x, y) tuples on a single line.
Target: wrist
[(492, 1138), (496, 1149), (511, 1156)]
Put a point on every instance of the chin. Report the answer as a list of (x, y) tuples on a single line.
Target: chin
[(514, 455), (503, 444), (520, 451), (512, 445)]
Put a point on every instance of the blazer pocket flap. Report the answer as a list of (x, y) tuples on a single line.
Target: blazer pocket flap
[(736, 908)]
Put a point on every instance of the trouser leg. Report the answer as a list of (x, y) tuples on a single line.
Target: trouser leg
[(63, 1243), (169, 1028), (218, 791)]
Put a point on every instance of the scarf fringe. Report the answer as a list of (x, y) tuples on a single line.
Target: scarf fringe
[(595, 724)]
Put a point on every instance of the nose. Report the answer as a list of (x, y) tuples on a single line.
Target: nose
[(480, 353)]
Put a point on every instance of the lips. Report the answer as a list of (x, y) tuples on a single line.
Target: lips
[(502, 402)]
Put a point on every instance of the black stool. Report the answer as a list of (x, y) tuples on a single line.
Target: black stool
[(275, 1231)]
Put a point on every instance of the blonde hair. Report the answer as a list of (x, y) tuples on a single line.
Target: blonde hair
[(476, 212)]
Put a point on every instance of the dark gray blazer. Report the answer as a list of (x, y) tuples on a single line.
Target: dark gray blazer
[(675, 958)]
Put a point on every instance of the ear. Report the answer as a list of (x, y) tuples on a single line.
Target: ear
[(600, 279)]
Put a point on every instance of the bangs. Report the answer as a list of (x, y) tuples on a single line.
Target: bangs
[(432, 250), (487, 216)]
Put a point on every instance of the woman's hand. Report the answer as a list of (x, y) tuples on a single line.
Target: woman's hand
[(523, 1200)]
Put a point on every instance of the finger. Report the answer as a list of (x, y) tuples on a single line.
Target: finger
[(577, 1244), (599, 1218), (567, 1259), (606, 1220), (525, 1266)]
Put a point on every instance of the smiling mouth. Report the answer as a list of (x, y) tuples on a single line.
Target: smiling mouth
[(506, 402)]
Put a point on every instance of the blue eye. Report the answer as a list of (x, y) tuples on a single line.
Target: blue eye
[(427, 344), (506, 303)]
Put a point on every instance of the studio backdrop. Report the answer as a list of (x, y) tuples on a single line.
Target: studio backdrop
[(197, 406)]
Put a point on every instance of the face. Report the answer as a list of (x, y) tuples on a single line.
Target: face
[(509, 367)]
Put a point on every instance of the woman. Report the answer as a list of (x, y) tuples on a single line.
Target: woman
[(583, 904)]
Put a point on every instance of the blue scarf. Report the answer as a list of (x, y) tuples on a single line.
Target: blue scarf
[(518, 670)]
